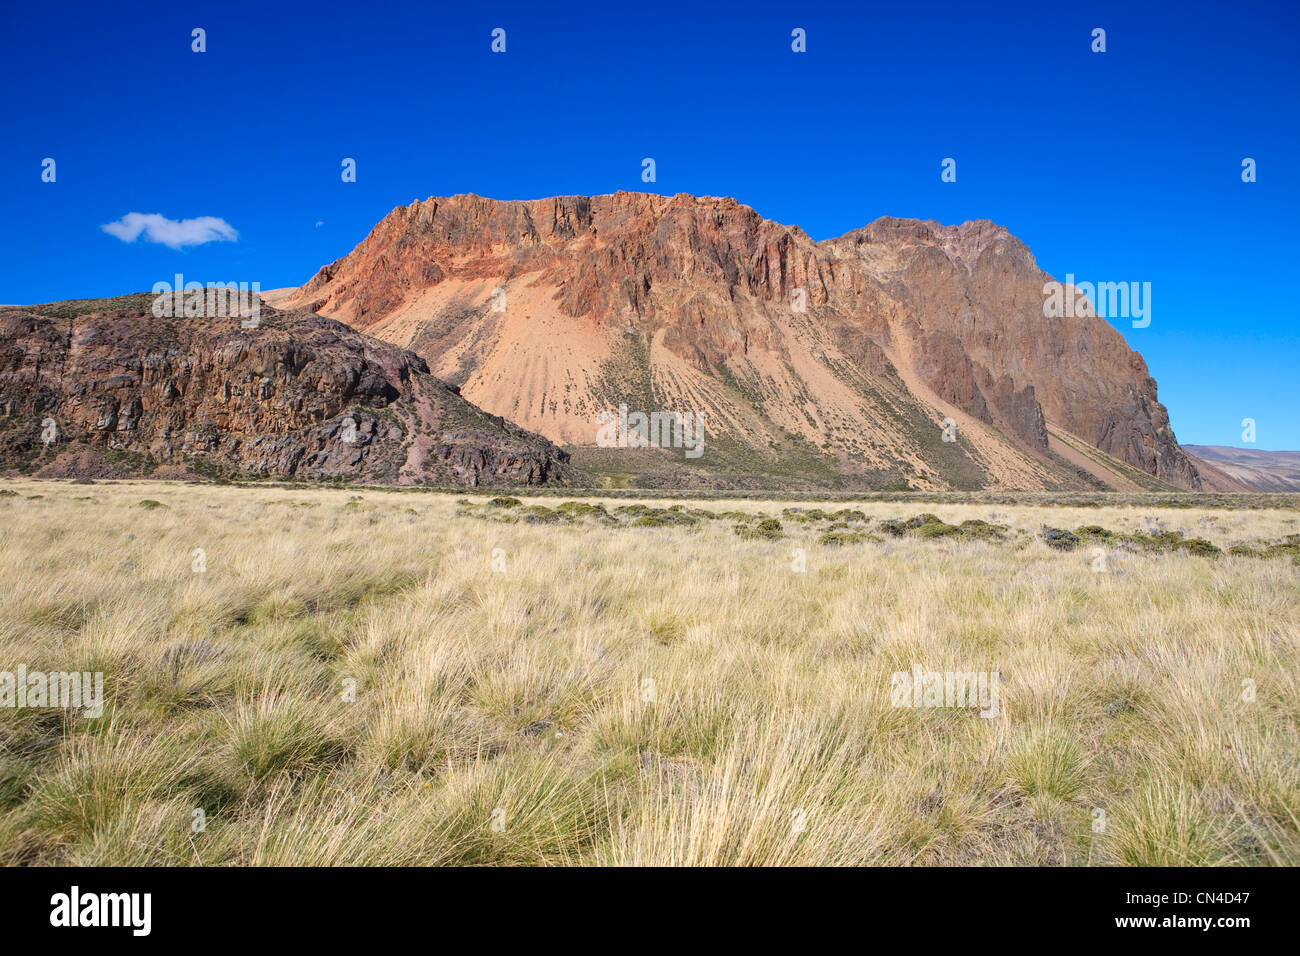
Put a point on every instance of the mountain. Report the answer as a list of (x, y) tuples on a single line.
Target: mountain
[(1246, 469), (812, 364), (103, 388), (904, 354)]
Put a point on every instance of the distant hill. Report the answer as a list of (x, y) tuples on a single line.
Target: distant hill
[(1254, 469)]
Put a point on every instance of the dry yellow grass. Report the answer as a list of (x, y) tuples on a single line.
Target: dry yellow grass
[(633, 695)]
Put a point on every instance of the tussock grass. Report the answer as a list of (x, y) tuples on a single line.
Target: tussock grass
[(371, 677)]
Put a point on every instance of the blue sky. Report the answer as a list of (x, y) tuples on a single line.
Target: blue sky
[(1122, 166)]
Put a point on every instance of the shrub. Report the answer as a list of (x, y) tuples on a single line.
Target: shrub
[(769, 529), (1060, 539)]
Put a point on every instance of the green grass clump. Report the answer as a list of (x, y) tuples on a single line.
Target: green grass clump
[(929, 527), (1060, 539), (1164, 824), (975, 529), (540, 514), (769, 529), (1200, 547), (1287, 547), (935, 528), (840, 538), (1155, 541), (644, 516), (805, 515), (277, 734), (581, 509), (1049, 763), (1169, 541)]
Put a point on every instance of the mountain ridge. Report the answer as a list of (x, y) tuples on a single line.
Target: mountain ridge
[(782, 340)]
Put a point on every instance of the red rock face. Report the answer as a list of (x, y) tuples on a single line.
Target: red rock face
[(114, 393), (709, 286), (981, 285)]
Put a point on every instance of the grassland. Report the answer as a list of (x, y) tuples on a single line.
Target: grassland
[(364, 676)]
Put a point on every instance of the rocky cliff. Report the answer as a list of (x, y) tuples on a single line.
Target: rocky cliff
[(104, 388)]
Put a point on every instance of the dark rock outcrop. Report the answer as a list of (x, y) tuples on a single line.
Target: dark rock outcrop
[(114, 391)]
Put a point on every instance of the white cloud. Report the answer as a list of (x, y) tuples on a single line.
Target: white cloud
[(170, 232)]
